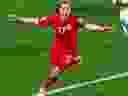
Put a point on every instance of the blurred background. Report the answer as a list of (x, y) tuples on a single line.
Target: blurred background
[(98, 11), (31, 50)]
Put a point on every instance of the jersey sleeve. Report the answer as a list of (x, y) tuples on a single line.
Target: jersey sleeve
[(42, 21)]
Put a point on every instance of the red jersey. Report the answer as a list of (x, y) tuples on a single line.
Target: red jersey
[(62, 38)]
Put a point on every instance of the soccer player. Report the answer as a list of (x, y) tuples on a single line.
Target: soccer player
[(64, 51)]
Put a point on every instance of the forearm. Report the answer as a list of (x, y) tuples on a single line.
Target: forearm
[(26, 19), (99, 28), (93, 27), (84, 24), (40, 21)]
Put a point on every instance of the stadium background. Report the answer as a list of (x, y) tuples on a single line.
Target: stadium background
[(31, 48)]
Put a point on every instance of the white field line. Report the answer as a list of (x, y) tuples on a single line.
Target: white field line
[(119, 75)]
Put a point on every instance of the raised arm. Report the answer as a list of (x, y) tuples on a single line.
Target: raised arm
[(99, 28), (41, 21), (83, 22), (26, 19)]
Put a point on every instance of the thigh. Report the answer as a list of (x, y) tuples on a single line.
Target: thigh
[(54, 56), (57, 57)]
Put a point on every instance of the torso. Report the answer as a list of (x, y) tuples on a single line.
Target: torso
[(58, 27)]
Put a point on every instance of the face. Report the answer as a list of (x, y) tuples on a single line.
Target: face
[(65, 10)]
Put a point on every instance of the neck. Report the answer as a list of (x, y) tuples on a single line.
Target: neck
[(63, 17)]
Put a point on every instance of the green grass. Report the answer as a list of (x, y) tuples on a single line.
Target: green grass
[(32, 8), (94, 49), (96, 46), (99, 90)]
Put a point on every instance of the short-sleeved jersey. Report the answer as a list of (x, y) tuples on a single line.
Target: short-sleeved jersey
[(65, 34)]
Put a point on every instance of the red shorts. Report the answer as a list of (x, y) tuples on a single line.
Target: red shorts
[(61, 57)]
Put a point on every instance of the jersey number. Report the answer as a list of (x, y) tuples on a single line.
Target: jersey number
[(60, 29)]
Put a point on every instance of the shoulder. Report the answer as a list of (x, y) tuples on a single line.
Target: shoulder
[(46, 17), (53, 17), (73, 17)]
